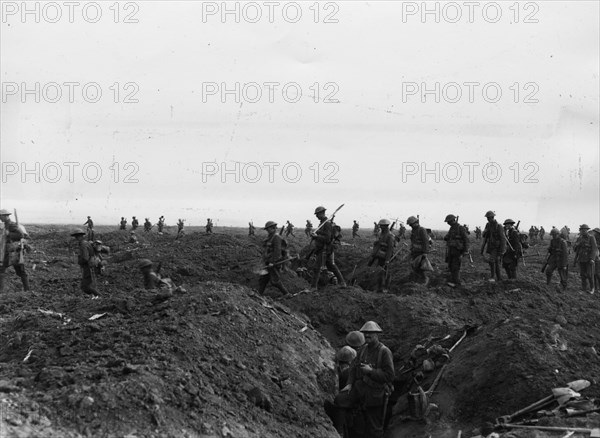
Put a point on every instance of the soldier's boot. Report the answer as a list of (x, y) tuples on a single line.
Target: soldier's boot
[(492, 272)]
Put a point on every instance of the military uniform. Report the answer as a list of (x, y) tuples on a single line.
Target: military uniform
[(558, 259), (419, 248), (123, 224), (565, 232), (495, 242), (86, 260), (477, 233), (272, 253), (209, 226), (308, 228), (161, 224), (383, 250), (542, 233), (289, 229), (179, 229), (134, 223), (514, 251), (324, 251), (11, 251), (90, 228), (251, 229), (355, 227), (586, 249), (596, 234), (457, 245), (147, 225)]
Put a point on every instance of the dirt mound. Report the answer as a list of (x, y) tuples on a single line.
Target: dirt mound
[(221, 361)]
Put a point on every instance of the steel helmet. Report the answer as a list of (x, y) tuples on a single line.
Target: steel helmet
[(371, 327), (319, 209), (584, 227), (449, 218), (596, 230), (490, 214), (5, 212), (411, 220), (345, 354), (270, 224), (355, 339), (77, 232), (508, 221), (145, 263), (97, 242), (385, 222), (554, 231)]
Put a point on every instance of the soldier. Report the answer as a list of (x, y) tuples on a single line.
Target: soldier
[(370, 380), (147, 225), (132, 237), (558, 258), (586, 251), (531, 233), (289, 229), (161, 224), (596, 234), (419, 248), (466, 227), (251, 229), (324, 249), (376, 229), (542, 233), (153, 280), (99, 264), (90, 228), (565, 232), (273, 253), (209, 226), (495, 241), (11, 249), (338, 410), (308, 229), (180, 232), (85, 259), (123, 224), (401, 232), (514, 250), (477, 233), (355, 228), (383, 249), (134, 223), (457, 245)]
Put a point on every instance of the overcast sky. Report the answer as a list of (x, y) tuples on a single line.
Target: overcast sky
[(399, 113)]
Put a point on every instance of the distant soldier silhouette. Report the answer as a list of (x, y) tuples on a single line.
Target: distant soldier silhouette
[(251, 229), (289, 229), (466, 227), (132, 237), (383, 249), (542, 233), (495, 241), (376, 229), (147, 225), (586, 252), (123, 224), (85, 259), (596, 233), (457, 245), (565, 232), (134, 223), (355, 228), (308, 229), (419, 248), (209, 226), (402, 232), (558, 258), (514, 250), (477, 233), (160, 224), (180, 232), (90, 228)]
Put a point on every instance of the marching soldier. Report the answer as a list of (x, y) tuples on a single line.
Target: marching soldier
[(565, 232), (123, 224), (514, 250), (370, 380), (134, 223), (147, 225), (289, 229), (355, 227), (596, 234), (251, 229), (542, 233), (180, 232), (586, 251), (558, 258), (160, 224), (457, 245), (85, 259), (324, 249), (376, 229), (273, 252), (90, 228), (401, 232), (11, 249), (383, 249), (477, 233), (494, 240), (419, 248), (308, 229), (209, 226)]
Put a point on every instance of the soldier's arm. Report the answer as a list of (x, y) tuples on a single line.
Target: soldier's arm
[(465, 239), (390, 248), (276, 254), (385, 374), (425, 240), (564, 254), (594, 247), (324, 234)]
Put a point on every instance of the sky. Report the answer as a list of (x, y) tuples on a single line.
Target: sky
[(261, 111)]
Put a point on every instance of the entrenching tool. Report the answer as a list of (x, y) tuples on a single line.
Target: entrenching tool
[(557, 393), (264, 268)]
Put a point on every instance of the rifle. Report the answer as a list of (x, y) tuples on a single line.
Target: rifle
[(21, 258), (282, 229), (546, 264), (311, 252)]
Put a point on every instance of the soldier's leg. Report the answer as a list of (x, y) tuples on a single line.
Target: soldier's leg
[(20, 270), (550, 270), (380, 275), (2, 278), (497, 268), (88, 285), (583, 272), (263, 281), (330, 263), (374, 420), (319, 261), (276, 280), (455, 262), (562, 272)]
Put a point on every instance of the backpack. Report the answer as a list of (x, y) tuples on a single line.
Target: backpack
[(336, 234), (523, 238)]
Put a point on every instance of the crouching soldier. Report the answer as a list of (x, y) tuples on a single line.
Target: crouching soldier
[(153, 280), (99, 251), (558, 258), (273, 252), (11, 249), (370, 380)]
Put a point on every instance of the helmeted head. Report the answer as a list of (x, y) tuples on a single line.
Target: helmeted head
[(597, 231), (355, 339), (371, 331), (554, 232), (270, 224), (509, 222), (450, 218), (412, 220), (320, 211), (77, 232), (89, 217), (145, 263), (345, 355), (583, 227), (385, 223), (490, 214)]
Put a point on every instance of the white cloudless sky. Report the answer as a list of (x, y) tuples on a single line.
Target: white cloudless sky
[(164, 146)]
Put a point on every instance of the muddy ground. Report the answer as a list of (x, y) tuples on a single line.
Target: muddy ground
[(220, 361)]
